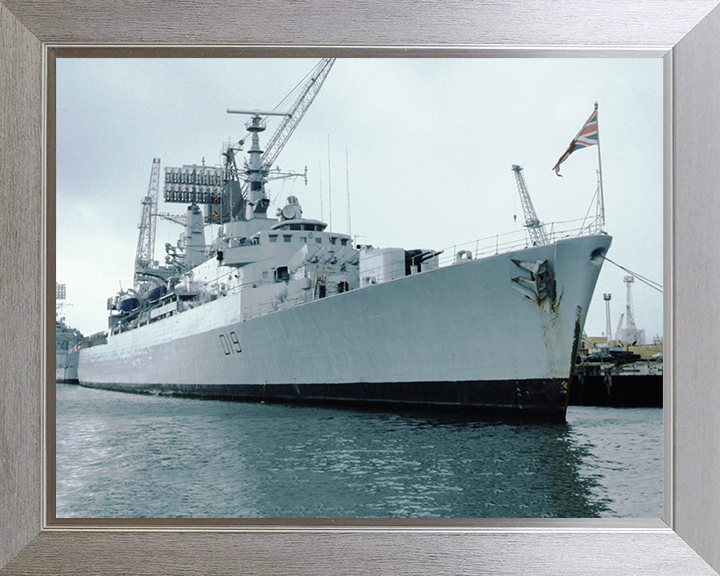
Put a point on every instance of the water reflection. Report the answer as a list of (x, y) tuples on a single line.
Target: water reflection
[(122, 455)]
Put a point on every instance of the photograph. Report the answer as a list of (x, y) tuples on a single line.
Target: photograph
[(359, 288)]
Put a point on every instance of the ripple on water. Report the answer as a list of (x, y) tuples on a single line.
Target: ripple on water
[(124, 455)]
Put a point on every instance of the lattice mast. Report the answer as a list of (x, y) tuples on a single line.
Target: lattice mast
[(608, 328), (631, 331), (630, 313), (532, 223), (148, 228)]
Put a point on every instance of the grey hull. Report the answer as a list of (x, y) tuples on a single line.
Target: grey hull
[(463, 335)]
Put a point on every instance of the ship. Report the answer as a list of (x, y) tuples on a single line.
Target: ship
[(67, 343), (285, 309)]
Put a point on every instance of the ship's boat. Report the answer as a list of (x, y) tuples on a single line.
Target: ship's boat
[(127, 303), (156, 293), (285, 309)]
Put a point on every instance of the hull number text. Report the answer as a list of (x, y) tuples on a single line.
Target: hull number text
[(230, 344)]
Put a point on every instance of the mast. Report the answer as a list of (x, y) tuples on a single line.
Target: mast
[(602, 197), (347, 181), (255, 171), (631, 332), (260, 162), (329, 186)]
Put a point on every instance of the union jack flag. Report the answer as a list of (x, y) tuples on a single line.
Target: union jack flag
[(588, 136)]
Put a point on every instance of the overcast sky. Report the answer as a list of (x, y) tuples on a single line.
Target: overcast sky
[(430, 145)]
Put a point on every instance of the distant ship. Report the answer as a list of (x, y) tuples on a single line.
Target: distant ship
[(284, 309), (67, 341)]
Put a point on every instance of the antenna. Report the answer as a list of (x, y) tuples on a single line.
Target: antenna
[(321, 191), (347, 179), (329, 186), (259, 113)]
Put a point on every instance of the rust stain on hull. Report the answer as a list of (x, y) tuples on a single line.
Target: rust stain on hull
[(576, 345)]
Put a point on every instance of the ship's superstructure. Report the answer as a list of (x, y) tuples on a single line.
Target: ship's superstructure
[(285, 309), (67, 342)]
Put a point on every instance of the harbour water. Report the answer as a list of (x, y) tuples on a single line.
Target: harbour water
[(133, 456)]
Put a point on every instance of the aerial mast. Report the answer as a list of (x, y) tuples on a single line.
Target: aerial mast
[(534, 226)]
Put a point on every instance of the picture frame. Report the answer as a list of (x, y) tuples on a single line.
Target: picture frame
[(685, 541)]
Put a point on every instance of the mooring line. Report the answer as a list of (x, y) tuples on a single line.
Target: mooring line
[(654, 285)]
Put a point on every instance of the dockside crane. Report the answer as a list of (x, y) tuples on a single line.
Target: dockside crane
[(618, 332), (306, 95), (535, 228), (146, 238)]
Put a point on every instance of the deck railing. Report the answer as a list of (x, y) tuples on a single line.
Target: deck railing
[(480, 248), (520, 239)]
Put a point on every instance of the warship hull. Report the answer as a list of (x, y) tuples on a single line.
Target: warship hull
[(480, 335), (66, 349), (66, 367)]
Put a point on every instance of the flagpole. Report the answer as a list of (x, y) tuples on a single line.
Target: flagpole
[(602, 198)]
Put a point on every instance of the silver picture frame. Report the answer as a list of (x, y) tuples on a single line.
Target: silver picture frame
[(685, 33)]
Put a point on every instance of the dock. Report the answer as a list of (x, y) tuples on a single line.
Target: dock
[(630, 377)]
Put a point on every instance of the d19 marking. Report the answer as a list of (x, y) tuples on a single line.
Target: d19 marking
[(230, 344)]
